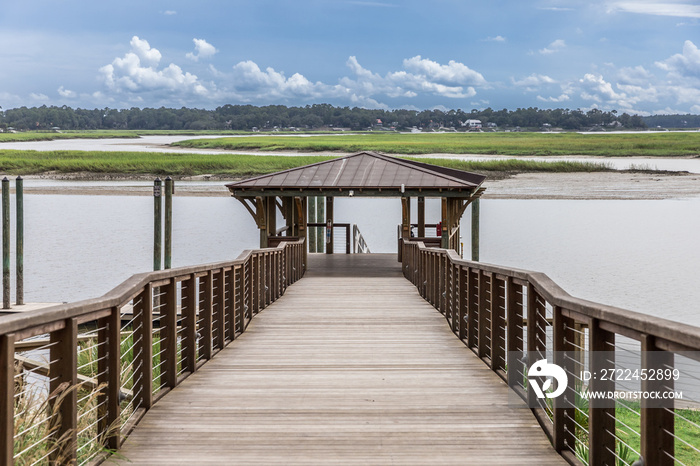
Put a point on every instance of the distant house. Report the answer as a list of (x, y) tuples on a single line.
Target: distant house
[(472, 124)]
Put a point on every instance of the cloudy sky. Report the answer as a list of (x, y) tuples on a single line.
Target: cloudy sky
[(638, 56)]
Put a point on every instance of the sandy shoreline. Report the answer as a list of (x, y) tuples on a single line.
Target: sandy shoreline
[(597, 185)]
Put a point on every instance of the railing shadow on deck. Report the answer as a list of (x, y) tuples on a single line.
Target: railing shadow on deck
[(102, 363), (512, 318)]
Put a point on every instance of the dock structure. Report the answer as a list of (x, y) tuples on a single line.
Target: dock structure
[(350, 366), (286, 357)]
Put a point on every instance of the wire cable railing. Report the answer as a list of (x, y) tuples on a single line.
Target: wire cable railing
[(514, 318), (76, 378)]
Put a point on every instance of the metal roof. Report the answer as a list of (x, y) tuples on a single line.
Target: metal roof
[(365, 172)]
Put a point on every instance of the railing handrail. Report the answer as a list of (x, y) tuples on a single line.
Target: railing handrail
[(359, 243), (118, 295), (677, 332)]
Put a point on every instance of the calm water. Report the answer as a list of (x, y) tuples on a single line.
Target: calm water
[(641, 255)]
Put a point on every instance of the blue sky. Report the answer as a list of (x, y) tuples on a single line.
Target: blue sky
[(637, 56)]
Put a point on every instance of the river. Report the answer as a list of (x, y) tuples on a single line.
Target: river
[(643, 255)]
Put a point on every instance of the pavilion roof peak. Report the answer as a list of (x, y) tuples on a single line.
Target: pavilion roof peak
[(362, 171)]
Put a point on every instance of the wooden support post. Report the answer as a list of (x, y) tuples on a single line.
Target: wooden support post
[(205, 310), (498, 324), (168, 243), (143, 345), (475, 230), (5, 243), (564, 406), (601, 412), (463, 302), (406, 217), (312, 219), (169, 328), (473, 306), (19, 240), (7, 401), (329, 225), (219, 303), (271, 211), (482, 328), (232, 297), (63, 380), (261, 219), (515, 333), (421, 217), (157, 223), (445, 242), (657, 420), (188, 313), (109, 373), (320, 218)]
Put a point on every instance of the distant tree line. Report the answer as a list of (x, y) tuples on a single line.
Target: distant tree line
[(673, 121), (248, 117)]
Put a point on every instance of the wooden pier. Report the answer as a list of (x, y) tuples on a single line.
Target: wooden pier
[(350, 366)]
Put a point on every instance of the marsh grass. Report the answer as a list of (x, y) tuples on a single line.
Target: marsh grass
[(609, 144), (230, 165)]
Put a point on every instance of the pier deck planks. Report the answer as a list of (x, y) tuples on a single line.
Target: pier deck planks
[(350, 366)]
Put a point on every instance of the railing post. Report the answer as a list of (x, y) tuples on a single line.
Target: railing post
[(188, 313), (482, 325), (498, 323), (473, 308), (109, 374), (657, 422), (515, 334), (232, 302), (601, 412), (206, 311), (143, 346), (63, 387), (463, 298), (7, 402), (218, 309), (170, 327), (563, 431)]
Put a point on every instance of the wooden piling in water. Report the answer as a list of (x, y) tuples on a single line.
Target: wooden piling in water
[(5, 243), (168, 223), (19, 266), (157, 223)]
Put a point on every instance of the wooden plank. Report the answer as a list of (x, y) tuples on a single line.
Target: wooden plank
[(342, 369)]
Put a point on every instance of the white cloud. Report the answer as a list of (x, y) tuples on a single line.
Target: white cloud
[(138, 72), (39, 97), (452, 73), (533, 81), (656, 8), (686, 64), (203, 49), (63, 92), (495, 39), (561, 98), (248, 78), (170, 12), (554, 47)]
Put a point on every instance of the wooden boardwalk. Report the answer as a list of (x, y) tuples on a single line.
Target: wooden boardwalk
[(350, 366)]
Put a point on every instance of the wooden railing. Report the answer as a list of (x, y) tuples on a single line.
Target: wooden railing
[(359, 244), (102, 363), (511, 318)]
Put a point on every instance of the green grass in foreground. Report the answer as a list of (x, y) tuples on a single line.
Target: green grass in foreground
[(608, 144), (233, 165)]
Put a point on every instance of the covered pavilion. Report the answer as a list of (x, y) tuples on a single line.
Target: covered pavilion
[(367, 174)]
